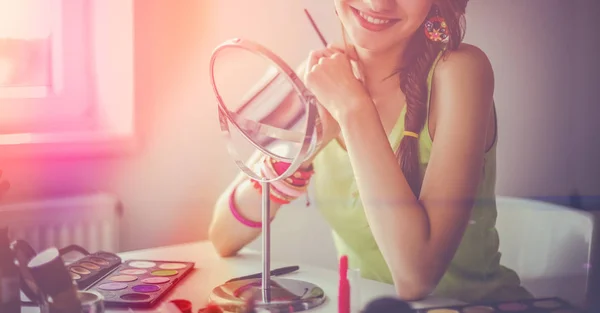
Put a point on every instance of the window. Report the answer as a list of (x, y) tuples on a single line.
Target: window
[(66, 74), (24, 55)]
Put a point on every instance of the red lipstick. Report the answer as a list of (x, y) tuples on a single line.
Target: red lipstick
[(343, 286), (371, 26)]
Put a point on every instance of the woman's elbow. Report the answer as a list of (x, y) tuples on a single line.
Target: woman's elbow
[(224, 252), (222, 248), (413, 293), (413, 289), (220, 245)]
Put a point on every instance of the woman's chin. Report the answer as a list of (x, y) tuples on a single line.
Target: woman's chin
[(369, 42), (375, 45), (370, 45)]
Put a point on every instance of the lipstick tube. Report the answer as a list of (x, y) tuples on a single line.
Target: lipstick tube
[(343, 286)]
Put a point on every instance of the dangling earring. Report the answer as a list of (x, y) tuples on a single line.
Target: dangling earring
[(436, 28)]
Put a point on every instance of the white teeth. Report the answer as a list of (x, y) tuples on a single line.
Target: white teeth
[(373, 20)]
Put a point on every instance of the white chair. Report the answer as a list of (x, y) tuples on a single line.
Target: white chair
[(548, 245)]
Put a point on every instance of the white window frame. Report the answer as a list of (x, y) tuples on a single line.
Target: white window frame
[(102, 118)]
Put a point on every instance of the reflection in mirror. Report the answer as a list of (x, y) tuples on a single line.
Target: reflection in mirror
[(261, 101), (242, 148)]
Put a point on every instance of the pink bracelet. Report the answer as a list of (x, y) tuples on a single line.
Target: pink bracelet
[(238, 216), (280, 185)]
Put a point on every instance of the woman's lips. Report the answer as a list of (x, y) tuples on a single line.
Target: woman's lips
[(372, 23)]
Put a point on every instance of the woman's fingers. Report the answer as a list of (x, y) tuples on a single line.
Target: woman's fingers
[(316, 55), (348, 50), (337, 47)]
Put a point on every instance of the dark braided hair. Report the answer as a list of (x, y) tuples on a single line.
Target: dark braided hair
[(419, 57)]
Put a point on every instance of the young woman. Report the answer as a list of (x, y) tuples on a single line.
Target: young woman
[(406, 174)]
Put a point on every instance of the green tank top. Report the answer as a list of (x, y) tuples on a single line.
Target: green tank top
[(474, 274)]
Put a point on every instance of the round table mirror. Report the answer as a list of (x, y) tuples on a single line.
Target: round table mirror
[(264, 111)]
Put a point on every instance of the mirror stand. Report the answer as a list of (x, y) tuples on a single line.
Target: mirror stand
[(270, 294), (275, 294)]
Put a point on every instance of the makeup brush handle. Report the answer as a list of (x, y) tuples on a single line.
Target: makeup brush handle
[(314, 25), (276, 272)]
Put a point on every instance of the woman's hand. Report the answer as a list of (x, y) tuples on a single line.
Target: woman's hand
[(330, 77), (331, 128)]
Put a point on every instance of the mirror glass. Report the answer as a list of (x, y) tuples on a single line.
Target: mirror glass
[(263, 108)]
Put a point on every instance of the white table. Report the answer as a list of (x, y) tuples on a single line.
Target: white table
[(211, 271)]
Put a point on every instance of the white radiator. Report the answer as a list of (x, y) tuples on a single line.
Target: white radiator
[(91, 221)]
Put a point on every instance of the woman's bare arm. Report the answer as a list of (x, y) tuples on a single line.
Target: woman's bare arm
[(226, 233)]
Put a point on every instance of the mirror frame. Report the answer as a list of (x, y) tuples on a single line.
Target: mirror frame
[(312, 132)]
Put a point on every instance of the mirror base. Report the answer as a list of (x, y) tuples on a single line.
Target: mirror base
[(287, 295)]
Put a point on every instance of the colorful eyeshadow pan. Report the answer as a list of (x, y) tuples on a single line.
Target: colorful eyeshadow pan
[(135, 283), (135, 297), (123, 278), (172, 266), (75, 276), (542, 305), (512, 307), (133, 271), (145, 288), (90, 266), (165, 273), (155, 280), (142, 264), (478, 309), (107, 256), (113, 286), (99, 261), (79, 270)]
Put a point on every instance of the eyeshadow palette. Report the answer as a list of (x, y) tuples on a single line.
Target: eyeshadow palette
[(84, 271), (92, 267), (140, 283), (545, 305)]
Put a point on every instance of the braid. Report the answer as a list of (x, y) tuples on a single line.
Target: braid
[(414, 86), (419, 57)]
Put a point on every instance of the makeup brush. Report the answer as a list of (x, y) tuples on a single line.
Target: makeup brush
[(314, 25)]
